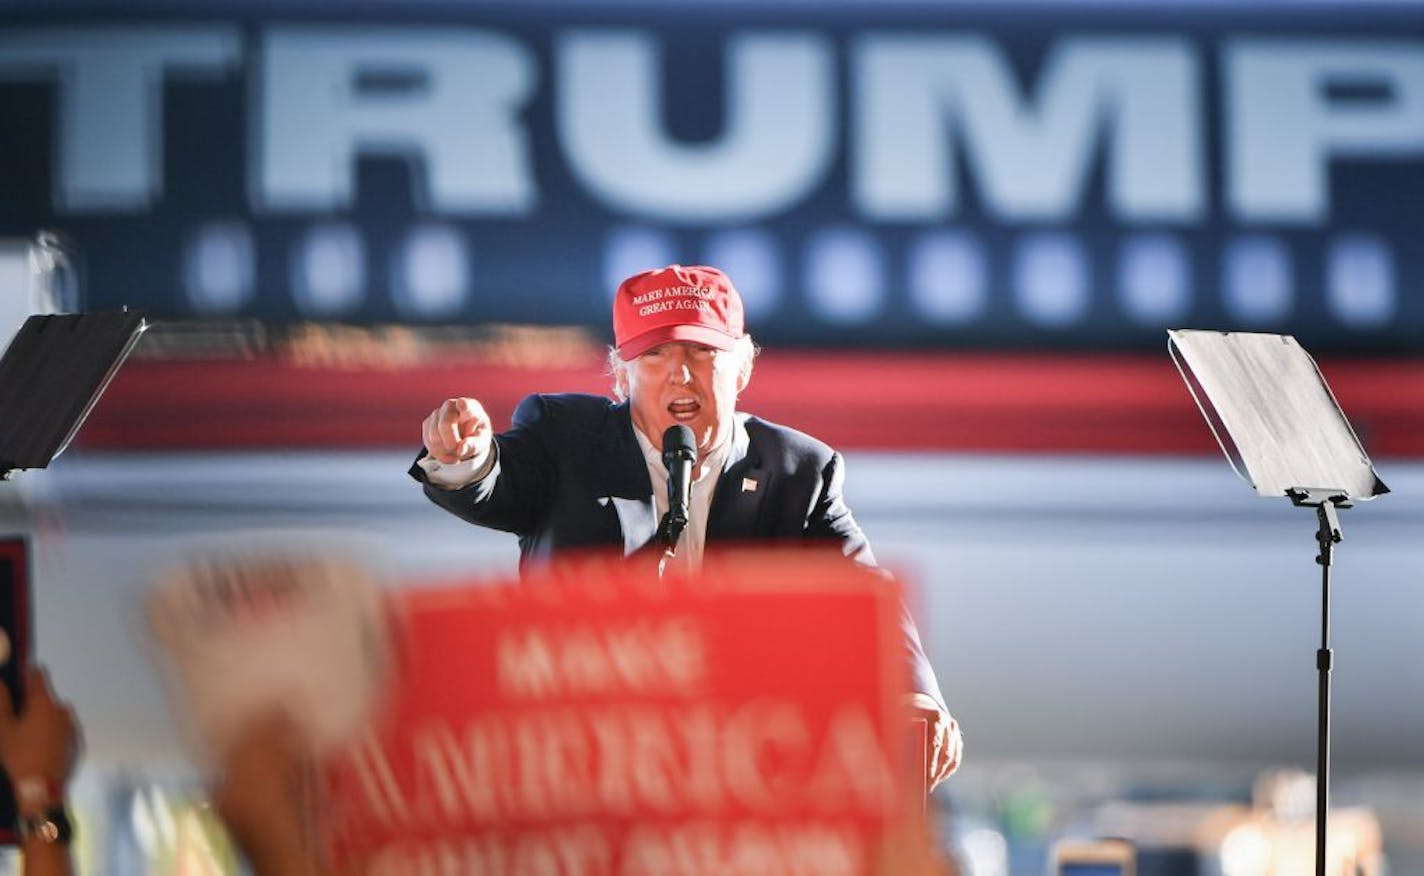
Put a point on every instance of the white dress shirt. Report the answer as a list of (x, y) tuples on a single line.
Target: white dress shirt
[(704, 485)]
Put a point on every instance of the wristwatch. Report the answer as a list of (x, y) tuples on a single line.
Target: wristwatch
[(51, 827)]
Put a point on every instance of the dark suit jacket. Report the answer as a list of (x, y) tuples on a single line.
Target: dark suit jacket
[(569, 474)]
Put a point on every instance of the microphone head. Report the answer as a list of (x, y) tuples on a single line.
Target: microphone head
[(678, 444)]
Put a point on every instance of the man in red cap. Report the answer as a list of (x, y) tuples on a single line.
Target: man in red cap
[(578, 471)]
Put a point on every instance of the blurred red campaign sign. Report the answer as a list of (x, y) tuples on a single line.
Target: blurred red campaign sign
[(596, 720)]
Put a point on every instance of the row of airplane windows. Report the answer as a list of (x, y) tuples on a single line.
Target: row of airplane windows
[(841, 274)]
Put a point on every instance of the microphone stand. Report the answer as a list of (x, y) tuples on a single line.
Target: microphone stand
[(669, 531)]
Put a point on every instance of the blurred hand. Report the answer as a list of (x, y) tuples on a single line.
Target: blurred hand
[(457, 430), (265, 798), (39, 747), (944, 741)]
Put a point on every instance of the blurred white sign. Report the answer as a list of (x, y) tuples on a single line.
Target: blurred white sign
[(248, 635)]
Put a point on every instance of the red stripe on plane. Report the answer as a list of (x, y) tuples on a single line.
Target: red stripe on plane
[(859, 400)]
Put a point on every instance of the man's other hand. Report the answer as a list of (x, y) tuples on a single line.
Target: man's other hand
[(944, 741), (458, 430)]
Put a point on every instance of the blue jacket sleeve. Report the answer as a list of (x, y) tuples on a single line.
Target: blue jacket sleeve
[(514, 496), (831, 519)]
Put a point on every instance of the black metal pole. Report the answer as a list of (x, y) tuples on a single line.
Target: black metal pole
[(1327, 536)]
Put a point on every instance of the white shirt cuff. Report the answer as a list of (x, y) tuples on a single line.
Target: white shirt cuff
[(921, 700), (453, 476)]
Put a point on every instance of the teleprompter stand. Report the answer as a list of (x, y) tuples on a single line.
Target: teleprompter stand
[(1327, 535), (52, 374), (1270, 411)]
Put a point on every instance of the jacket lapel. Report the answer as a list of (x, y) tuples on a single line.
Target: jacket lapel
[(625, 481), (740, 491)]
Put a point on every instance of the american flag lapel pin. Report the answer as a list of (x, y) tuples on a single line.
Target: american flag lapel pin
[(748, 485)]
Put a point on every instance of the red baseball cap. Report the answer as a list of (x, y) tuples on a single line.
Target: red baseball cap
[(677, 303)]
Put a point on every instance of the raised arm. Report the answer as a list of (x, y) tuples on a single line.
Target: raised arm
[(39, 749)]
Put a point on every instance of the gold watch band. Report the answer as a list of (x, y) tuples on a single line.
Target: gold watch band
[(51, 827)]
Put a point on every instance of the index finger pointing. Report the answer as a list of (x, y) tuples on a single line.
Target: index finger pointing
[(464, 416)]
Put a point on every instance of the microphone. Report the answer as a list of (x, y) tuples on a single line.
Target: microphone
[(679, 456)]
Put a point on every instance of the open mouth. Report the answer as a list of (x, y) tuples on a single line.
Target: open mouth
[(683, 409)]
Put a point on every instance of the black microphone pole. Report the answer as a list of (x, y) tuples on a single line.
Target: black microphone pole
[(679, 456)]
